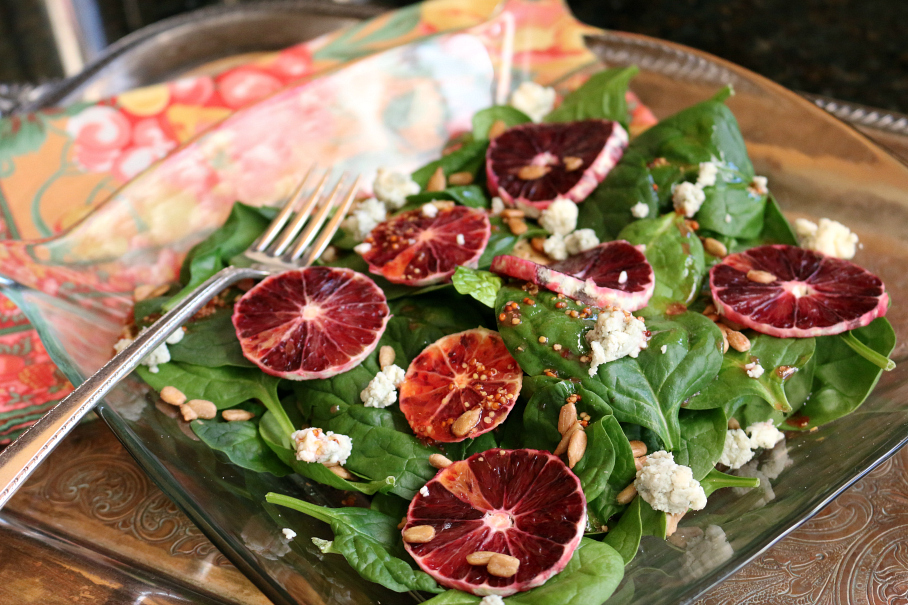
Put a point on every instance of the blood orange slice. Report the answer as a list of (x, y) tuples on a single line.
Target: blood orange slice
[(532, 165), (611, 274), (520, 503), (310, 323), (787, 291), (470, 374), (418, 248)]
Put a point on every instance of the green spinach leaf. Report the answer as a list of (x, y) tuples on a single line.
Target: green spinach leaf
[(602, 97), (483, 119), (241, 443), (625, 536), (211, 342), (473, 196), (481, 285), (702, 440), (717, 480), (469, 158)]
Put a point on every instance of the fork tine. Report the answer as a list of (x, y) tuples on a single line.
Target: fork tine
[(317, 221), (278, 222), (330, 229), (303, 214)]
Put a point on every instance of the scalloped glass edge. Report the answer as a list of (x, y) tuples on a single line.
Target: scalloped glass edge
[(865, 174)]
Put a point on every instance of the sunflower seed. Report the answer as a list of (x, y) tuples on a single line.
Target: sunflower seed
[(465, 423), (419, 534)]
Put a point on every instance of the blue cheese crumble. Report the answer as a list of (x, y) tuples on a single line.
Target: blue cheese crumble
[(829, 237), (382, 389), (392, 188), (533, 99), (668, 486), (737, 451), (580, 240), (687, 198), (560, 218), (159, 356), (325, 447), (617, 334)]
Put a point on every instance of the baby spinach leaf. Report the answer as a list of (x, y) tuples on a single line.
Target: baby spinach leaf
[(843, 378), (602, 97), (676, 255), (776, 230), (625, 536), (369, 540), (717, 480), (502, 241), (702, 440), (653, 522), (244, 224), (466, 448), (241, 442), (483, 119), (211, 342), (730, 207), (473, 196), (280, 443), (771, 353), (390, 505), (481, 285), (469, 158)]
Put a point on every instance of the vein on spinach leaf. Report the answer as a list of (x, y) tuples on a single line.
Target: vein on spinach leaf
[(717, 480)]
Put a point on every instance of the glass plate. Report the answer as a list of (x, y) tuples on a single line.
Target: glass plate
[(75, 288)]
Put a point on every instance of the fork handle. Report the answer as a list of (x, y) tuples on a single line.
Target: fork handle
[(22, 457)]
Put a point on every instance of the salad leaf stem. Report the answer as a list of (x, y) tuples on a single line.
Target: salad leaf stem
[(867, 353)]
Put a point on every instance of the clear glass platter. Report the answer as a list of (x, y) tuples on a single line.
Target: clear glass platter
[(817, 166)]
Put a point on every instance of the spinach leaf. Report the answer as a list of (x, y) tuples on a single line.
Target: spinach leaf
[(661, 157), (602, 97), (591, 576), (390, 505), (241, 442), (843, 378), (481, 285), (466, 448), (473, 196), (702, 440), (244, 224), (776, 230), (211, 342), (733, 382), (653, 522), (676, 255), (280, 443), (730, 207), (369, 540), (483, 119), (469, 158), (502, 241), (717, 480), (625, 536)]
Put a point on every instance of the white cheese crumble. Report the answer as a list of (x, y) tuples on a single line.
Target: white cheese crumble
[(424, 491), (753, 369), (492, 599), (640, 210), (429, 210), (664, 349), (830, 237), (737, 450), (705, 553), (707, 175), (727, 218), (393, 187), (560, 218), (617, 334), (622, 277), (364, 218), (382, 389), (460, 239), (288, 533), (764, 434), (581, 240), (668, 486), (362, 248), (497, 206), (687, 198), (758, 186), (555, 247), (316, 445), (159, 356), (533, 99)]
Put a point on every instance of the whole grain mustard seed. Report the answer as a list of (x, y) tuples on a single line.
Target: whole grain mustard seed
[(543, 340)]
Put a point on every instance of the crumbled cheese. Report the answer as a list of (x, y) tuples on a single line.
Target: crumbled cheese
[(533, 99), (424, 491), (362, 248), (640, 210), (492, 599), (429, 210), (737, 450), (617, 334), (764, 434), (758, 186), (622, 277), (830, 237), (705, 553), (581, 240), (664, 349), (668, 486), (316, 445), (753, 369), (497, 206), (460, 239), (727, 218), (365, 217), (159, 356), (382, 389), (555, 247), (707, 175), (560, 218), (288, 533), (687, 198), (175, 337), (392, 188)]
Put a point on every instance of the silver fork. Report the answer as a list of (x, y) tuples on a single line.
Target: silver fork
[(286, 244)]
